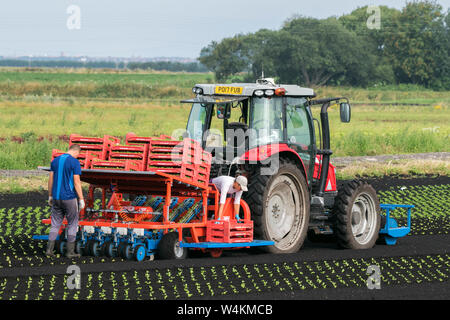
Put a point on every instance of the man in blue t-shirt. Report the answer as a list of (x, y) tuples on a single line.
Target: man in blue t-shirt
[(66, 198)]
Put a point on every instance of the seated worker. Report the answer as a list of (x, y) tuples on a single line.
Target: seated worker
[(233, 186)]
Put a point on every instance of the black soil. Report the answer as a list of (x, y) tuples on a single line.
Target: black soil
[(36, 199), (416, 268)]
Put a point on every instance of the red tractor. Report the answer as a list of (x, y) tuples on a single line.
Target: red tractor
[(268, 133), (262, 130)]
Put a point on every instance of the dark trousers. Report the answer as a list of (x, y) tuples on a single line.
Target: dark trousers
[(61, 209)]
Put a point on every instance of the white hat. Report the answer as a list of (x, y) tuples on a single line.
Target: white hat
[(242, 182)]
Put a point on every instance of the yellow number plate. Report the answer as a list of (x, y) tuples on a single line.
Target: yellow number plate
[(228, 90)]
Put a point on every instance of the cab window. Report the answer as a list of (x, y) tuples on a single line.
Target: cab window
[(297, 123)]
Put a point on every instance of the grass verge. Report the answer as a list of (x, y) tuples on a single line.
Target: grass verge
[(414, 168), (9, 185)]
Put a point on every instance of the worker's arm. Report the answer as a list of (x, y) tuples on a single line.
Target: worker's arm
[(223, 197), (236, 209), (77, 184), (221, 205), (50, 188), (237, 203)]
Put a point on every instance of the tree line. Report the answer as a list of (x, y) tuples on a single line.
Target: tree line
[(157, 65), (410, 45)]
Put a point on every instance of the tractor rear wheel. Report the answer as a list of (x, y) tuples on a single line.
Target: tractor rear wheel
[(357, 215), (280, 207)]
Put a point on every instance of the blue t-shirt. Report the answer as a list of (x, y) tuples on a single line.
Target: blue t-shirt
[(64, 168)]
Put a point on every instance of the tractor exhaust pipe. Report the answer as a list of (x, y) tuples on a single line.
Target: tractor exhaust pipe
[(325, 151)]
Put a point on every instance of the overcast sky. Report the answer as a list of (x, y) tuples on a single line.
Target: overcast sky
[(149, 28)]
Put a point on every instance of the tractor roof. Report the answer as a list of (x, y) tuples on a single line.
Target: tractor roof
[(248, 89)]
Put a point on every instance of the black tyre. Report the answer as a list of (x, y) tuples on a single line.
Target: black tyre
[(95, 249), (79, 247), (169, 247), (109, 249), (280, 205), (127, 252), (120, 249), (357, 215)]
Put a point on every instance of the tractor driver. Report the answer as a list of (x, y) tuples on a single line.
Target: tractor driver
[(230, 186)]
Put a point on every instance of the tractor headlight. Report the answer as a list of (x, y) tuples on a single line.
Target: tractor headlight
[(199, 91), (259, 93), (270, 93)]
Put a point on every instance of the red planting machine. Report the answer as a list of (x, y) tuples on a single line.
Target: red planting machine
[(170, 205)]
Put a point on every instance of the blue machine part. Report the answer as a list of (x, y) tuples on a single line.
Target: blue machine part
[(140, 252), (185, 205), (211, 245), (139, 200), (42, 237), (197, 210), (156, 203), (173, 202), (391, 231)]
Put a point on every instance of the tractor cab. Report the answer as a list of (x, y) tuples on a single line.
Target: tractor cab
[(231, 120)]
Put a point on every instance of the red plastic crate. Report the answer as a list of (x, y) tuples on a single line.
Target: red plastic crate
[(136, 152), (126, 165), (132, 138), (185, 159), (196, 163), (101, 146), (229, 231)]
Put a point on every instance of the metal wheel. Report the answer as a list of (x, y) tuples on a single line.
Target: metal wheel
[(364, 218), (285, 209), (139, 253), (169, 247), (283, 204)]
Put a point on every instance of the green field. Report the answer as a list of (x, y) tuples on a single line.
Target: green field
[(42, 107)]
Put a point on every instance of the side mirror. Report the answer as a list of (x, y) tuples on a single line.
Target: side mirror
[(345, 112)]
